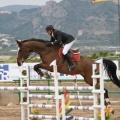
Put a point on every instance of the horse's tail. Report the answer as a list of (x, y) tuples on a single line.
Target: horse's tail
[(111, 68)]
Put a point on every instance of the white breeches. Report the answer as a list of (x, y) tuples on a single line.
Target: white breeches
[(67, 47)]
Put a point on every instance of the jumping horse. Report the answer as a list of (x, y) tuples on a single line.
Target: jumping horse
[(50, 53)]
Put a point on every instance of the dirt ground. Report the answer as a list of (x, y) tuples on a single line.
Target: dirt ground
[(10, 108), (13, 112)]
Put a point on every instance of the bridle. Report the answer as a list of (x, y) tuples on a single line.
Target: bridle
[(26, 50), (32, 54)]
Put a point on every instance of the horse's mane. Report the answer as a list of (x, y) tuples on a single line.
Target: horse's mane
[(40, 40), (35, 39)]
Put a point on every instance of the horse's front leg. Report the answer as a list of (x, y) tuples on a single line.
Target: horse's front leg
[(43, 66)]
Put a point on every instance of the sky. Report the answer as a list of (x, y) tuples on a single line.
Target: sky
[(23, 2)]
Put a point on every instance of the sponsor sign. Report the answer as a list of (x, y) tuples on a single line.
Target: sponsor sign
[(12, 72)]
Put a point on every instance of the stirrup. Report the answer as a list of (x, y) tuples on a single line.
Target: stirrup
[(71, 67)]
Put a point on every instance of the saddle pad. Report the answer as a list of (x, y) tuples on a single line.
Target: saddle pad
[(75, 56)]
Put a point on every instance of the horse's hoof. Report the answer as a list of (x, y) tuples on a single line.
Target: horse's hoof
[(45, 75), (43, 78), (112, 111)]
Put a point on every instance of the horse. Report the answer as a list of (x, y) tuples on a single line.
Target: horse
[(50, 53)]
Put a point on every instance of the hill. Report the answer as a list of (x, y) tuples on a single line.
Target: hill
[(92, 24), (18, 8)]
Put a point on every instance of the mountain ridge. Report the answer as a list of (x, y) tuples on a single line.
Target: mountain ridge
[(85, 20)]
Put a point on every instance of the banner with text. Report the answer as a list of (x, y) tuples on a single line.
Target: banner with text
[(12, 72)]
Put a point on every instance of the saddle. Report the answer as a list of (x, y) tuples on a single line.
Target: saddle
[(74, 54)]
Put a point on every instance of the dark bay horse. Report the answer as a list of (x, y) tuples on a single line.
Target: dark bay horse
[(50, 53)]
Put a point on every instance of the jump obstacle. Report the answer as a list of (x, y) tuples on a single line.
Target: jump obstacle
[(57, 97)]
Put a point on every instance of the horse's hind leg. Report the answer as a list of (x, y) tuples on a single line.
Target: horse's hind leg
[(107, 101), (106, 97)]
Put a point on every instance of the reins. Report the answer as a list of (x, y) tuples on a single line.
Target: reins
[(46, 52), (32, 56)]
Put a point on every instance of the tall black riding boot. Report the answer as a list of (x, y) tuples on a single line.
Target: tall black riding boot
[(71, 65)]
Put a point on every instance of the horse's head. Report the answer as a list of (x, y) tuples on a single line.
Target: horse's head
[(23, 52)]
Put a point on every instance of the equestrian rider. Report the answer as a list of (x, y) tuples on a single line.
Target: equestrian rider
[(59, 37)]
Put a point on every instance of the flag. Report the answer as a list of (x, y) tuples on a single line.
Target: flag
[(100, 0)]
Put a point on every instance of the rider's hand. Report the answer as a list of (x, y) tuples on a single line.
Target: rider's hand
[(48, 43)]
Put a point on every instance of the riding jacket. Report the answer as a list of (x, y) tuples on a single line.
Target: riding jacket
[(59, 37)]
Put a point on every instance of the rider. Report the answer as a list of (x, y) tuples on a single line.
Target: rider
[(58, 37)]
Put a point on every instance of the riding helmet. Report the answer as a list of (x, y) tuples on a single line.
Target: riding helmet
[(49, 27)]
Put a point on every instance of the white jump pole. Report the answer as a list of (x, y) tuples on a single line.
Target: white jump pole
[(95, 101), (56, 88), (28, 93), (22, 78), (82, 97), (102, 91), (46, 88), (98, 91)]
